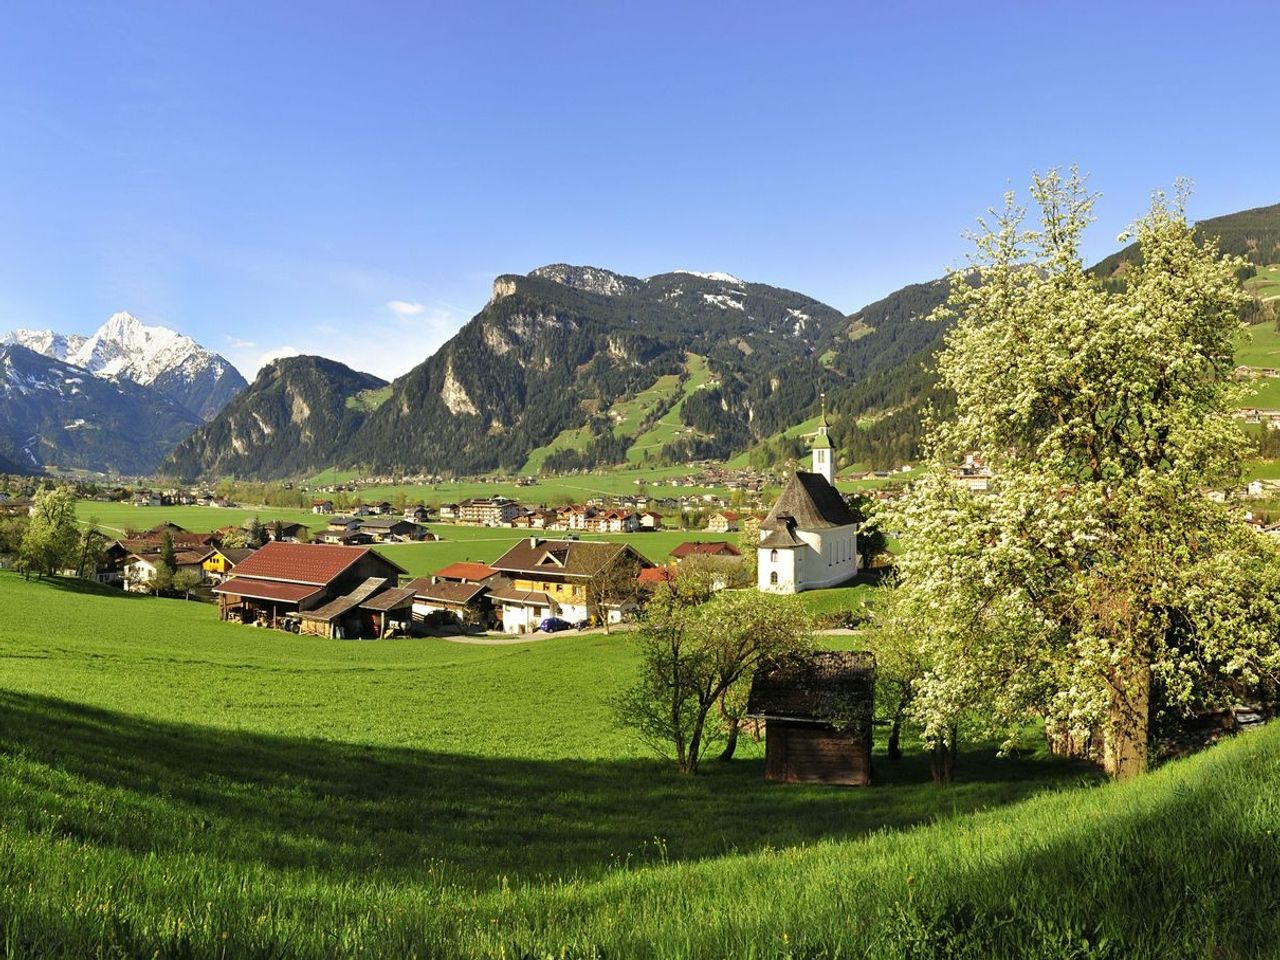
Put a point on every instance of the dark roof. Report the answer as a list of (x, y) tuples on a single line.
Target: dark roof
[(783, 535), (821, 686), (315, 563), (390, 599), (813, 502), (237, 555), (267, 590), (387, 522), (336, 608), (524, 598), (568, 558), (715, 548), (456, 593)]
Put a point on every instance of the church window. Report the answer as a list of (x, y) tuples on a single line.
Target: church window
[(773, 558), (773, 577)]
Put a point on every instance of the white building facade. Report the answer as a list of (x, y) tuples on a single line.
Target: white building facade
[(809, 540)]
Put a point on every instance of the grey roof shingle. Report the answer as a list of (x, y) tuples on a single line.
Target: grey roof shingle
[(812, 502), (822, 686)]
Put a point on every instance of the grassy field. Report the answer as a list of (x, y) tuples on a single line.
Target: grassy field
[(1258, 345), (311, 798), (669, 426), (1266, 285)]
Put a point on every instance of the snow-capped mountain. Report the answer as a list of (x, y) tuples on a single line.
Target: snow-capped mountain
[(125, 348), (56, 414)]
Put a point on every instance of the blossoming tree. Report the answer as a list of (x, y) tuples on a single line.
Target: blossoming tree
[(1094, 578)]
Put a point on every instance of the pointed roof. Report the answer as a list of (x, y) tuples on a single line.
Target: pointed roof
[(812, 502), (820, 439)]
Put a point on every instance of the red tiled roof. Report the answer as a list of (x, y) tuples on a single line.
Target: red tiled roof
[(467, 571), (656, 575), (267, 590), (314, 563)]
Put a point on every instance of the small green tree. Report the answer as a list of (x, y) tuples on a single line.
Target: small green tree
[(184, 581), (50, 541), (161, 581), (168, 558), (695, 655), (93, 549)]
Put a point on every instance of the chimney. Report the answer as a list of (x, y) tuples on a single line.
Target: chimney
[(534, 541)]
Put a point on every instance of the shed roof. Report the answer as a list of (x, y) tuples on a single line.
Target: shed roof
[(521, 598), (822, 686), (447, 592), (392, 599), (813, 502), (336, 608)]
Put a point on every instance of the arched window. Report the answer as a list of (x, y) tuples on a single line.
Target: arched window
[(773, 558), (773, 577)]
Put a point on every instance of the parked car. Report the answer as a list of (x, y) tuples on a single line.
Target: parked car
[(554, 625)]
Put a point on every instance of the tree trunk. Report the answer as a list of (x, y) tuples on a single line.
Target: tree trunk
[(1124, 737), (895, 738), (731, 741), (942, 760)]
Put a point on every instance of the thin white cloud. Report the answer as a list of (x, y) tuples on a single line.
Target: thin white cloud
[(270, 356), (238, 344), (405, 308)]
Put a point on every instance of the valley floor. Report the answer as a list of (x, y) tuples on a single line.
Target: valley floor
[(174, 786)]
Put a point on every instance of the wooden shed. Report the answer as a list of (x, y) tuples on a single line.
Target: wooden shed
[(817, 709)]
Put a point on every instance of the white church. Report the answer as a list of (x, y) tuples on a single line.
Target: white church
[(810, 537)]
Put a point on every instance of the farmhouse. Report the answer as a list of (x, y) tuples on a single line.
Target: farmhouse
[(221, 561), (322, 507), (699, 548), (810, 537), (282, 581), (724, 522), (564, 578), (464, 602), (140, 569), (285, 530), (393, 529), (817, 710)]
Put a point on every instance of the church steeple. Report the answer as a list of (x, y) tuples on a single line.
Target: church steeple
[(824, 456)]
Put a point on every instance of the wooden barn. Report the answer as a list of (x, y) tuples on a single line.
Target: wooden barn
[(317, 587), (817, 710)]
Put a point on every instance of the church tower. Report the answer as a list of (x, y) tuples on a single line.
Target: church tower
[(824, 456)]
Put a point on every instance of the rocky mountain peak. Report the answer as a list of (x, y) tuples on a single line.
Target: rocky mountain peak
[(591, 279)]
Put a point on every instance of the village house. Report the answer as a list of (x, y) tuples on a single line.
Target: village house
[(817, 710), (700, 548), (724, 522), (556, 578), (464, 602), (417, 513), (286, 530), (810, 537), (650, 520), (322, 507), (495, 511), (614, 521), (320, 589), (217, 566), (140, 569), (394, 530), (449, 511)]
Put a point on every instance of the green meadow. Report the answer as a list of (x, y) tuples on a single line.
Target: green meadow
[(175, 787)]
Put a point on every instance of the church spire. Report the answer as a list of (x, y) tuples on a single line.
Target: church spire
[(824, 460)]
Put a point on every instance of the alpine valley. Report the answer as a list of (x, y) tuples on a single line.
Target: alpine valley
[(570, 367), (566, 367)]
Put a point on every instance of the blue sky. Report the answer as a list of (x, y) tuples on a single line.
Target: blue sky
[(347, 179)]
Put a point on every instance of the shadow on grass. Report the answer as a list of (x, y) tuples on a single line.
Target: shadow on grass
[(88, 588), (112, 779)]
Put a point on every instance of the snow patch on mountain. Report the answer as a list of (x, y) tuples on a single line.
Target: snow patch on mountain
[(718, 277), (125, 348), (722, 301)]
